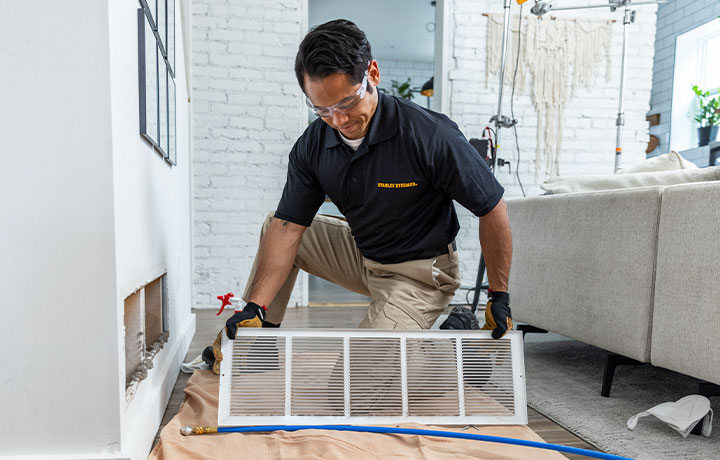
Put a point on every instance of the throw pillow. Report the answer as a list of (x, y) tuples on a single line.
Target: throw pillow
[(665, 162), (620, 181)]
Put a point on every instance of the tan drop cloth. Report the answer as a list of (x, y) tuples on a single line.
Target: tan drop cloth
[(200, 408)]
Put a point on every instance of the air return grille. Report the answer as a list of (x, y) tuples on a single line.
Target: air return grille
[(315, 376)]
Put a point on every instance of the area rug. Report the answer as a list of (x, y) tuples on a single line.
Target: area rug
[(563, 383)]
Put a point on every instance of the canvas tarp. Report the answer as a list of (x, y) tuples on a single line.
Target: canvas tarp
[(200, 409)]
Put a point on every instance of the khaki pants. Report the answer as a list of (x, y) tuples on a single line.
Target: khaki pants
[(406, 295)]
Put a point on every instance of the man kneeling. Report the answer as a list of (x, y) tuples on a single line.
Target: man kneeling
[(393, 170)]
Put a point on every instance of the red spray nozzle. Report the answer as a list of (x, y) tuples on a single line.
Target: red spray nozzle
[(225, 301)]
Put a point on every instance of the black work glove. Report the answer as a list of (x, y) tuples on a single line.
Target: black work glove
[(497, 314), (460, 318), (253, 315)]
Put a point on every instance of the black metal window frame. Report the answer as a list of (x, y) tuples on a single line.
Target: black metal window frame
[(156, 76)]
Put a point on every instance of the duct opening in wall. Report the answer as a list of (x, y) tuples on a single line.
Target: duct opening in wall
[(146, 331)]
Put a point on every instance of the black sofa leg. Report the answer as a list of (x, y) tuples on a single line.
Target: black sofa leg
[(613, 360), (708, 390), (525, 328)]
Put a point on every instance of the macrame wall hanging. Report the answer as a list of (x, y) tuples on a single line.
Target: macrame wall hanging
[(561, 55)]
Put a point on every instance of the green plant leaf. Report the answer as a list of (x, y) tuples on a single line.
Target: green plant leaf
[(708, 113)]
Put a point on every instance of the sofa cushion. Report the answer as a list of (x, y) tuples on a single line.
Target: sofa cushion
[(622, 181), (686, 318), (584, 266), (666, 162)]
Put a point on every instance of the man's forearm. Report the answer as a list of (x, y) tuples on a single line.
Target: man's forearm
[(276, 256), (496, 243)]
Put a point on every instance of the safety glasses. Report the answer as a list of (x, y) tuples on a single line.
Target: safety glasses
[(344, 106)]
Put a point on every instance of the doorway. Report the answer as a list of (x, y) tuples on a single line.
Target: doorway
[(404, 39), (402, 36)]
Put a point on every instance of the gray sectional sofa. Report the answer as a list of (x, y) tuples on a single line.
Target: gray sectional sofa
[(633, 271)]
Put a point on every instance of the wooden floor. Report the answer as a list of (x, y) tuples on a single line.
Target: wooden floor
[(208, 326)]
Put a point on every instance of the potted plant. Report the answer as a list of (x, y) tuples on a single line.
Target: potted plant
[(402, 90), (708, 115)]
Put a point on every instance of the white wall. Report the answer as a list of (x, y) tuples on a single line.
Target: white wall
[(152, 211), (59, 383), (248, 112), (89, 213), (589, 135)]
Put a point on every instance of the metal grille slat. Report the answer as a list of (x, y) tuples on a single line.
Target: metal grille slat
[(488, 376), (315, 376), (432, 377), (375, 376), (257, 362)]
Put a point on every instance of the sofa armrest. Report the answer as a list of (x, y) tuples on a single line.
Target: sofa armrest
[(584, 264), (686, 318)]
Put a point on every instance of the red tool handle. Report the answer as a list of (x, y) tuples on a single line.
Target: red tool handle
[(225, 301)]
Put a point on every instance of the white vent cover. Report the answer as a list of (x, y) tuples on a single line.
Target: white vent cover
[(367, 376)]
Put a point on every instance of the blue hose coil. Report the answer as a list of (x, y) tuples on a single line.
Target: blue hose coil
[(444, 434)]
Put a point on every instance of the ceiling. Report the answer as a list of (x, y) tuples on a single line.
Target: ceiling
[(396, 29)]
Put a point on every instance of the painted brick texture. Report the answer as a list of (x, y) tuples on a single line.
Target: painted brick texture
[(248, 112)]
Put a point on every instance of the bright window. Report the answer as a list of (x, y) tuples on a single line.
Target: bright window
[(712, 62), (697, 62)]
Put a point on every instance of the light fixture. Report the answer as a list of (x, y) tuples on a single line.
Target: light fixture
[(427, 88)]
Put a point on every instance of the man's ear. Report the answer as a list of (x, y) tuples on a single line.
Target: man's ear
[(374, 73)]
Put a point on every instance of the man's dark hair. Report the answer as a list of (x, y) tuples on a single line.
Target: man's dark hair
[(338, 46)]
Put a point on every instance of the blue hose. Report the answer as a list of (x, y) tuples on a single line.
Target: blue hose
[(444, 434)]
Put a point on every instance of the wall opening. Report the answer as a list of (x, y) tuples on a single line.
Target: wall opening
[(407, 54), (404, 49), (153, 311), (146, 331), (134, 334)]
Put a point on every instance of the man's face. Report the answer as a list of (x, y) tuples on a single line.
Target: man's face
[(337, 88)]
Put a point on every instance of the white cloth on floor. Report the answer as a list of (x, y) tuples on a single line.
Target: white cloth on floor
[(681, 415), (196, 363)]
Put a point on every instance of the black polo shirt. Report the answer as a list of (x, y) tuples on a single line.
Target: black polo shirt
[(397, 190)]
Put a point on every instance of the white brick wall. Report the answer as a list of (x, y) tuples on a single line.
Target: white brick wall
[(589, 136), (673, 18), (248, 113)]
